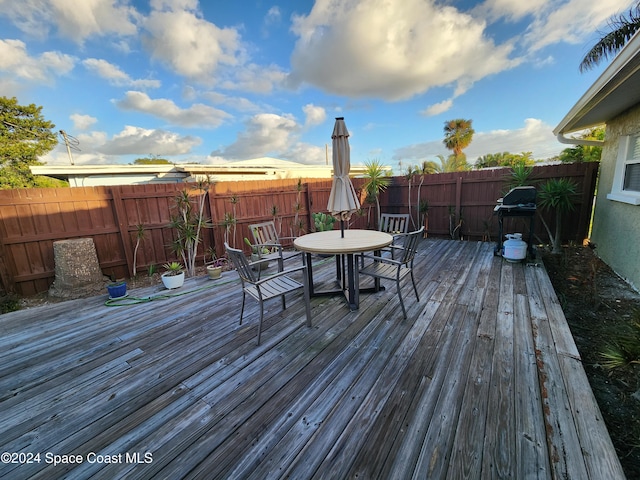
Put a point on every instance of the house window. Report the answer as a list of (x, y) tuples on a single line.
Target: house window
[(626, 179)]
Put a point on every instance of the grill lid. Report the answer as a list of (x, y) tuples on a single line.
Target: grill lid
[(525, 196)]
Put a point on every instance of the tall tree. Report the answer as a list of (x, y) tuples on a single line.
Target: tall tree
[(458, 134), (622, 28), (504, 159), (24, 136), (453, 163)]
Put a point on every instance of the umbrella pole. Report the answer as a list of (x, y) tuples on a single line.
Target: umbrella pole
[(342, 228)]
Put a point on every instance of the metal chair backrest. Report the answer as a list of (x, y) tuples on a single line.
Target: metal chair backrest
[(409, 242), (241, 264), (264, 233), (394, 223)]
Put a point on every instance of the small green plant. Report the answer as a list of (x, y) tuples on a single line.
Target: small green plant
[(323, 222), (215, 260), (173, 268), (152, 270), (624, 350), (254, 248), (520, 175), (9, 303)]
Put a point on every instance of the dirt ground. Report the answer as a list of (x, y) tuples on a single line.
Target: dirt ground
[(600, 308)]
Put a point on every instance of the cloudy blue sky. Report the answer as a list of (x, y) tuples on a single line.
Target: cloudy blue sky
[(218, 81)]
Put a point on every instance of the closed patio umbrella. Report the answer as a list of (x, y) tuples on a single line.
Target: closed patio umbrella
[(343, 200)]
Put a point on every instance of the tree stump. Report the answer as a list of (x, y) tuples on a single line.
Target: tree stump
[(77, 269)]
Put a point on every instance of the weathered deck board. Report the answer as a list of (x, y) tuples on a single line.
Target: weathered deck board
[(482, 380)]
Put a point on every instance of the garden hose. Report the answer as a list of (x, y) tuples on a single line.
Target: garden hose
[(127, 300)]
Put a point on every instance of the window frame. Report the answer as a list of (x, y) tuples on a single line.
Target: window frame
[(625, 150)]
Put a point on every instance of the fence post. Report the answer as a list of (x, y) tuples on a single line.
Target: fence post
[(5, 280), (123, 229), (459, 201), (308, 205), (588, 190)]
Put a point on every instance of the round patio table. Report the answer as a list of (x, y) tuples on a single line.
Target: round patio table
[(344, 248)]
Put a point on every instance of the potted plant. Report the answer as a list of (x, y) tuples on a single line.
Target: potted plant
[(117, 289), (256, 255), (214, 269), (174, 275), (188, 219), (323, 222)]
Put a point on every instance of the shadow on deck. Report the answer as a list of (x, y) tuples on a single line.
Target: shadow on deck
[(483, 380)]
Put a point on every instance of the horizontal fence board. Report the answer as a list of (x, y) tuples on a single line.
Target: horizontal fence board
[(32, 219)]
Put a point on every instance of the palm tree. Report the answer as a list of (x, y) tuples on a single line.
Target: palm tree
[(377, 180), (457, 135), (623, 27), (453, 163)]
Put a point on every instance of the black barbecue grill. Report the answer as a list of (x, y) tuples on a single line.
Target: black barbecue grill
[(519, 202)]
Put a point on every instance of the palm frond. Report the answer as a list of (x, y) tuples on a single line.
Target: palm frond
[(623, 27)]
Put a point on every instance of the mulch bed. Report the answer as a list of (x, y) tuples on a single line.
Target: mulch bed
[(600, 307)]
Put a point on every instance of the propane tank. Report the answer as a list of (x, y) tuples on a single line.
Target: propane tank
[(514, 248)]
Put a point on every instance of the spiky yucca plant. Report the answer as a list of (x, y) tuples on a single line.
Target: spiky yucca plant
[(557, 194), (623, 350)]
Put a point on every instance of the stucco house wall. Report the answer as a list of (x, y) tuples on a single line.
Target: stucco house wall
[(616, 225)]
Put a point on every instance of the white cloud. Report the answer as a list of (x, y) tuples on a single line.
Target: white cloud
[(511, 10), (115, 76), (314, 115), (17, 62), (240, 104), (140, 141), (392, 50), (269, 134), (535, 136), (191, 46), (82, 122), (84, 153), (73, 19), (571, 22), (197, 115), (254, 78), (264, 134), (438, 108), (273, 16), (308, 154), (96, 148), (174, 4)]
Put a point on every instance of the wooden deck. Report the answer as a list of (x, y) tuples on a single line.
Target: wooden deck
[(483, 380)]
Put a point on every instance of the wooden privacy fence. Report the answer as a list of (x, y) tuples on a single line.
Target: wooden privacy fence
[(32, 219)]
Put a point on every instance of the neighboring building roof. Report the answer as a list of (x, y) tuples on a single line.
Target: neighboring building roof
[(616, 90), (265, 168)]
